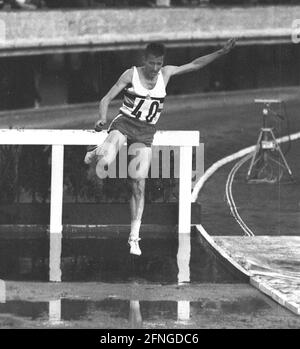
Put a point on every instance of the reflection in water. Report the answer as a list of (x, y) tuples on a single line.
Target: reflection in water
[(55, 312), (2, 292), (135, 316), (183, 258), (183, 276), (123, 313), (183, 311), (55, 257)]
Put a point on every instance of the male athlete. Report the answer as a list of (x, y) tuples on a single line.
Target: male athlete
[(144, 92)]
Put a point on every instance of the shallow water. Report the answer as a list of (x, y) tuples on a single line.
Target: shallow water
[(176, 283), (163, 260), (120, 313)]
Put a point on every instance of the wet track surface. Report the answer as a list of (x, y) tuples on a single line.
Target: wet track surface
[(111, 312), (176, 283), (202, 306)]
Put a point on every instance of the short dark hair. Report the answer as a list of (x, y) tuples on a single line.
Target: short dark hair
[(156, 49)]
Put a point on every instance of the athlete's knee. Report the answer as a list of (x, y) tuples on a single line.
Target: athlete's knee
[(107, 159), (139, 175), (138, 187), (140, 172), (106, 154), (140, 162)]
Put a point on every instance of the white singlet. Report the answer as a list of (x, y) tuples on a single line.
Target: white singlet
[(141, 103)]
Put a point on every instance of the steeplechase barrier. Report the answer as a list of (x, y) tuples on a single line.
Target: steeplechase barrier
[(185, 140)]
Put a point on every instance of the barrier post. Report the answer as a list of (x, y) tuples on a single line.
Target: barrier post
[(2, 291), (57, 174), (55, 312), (55, 257), (185, 190), (56, 206), (59, 138)]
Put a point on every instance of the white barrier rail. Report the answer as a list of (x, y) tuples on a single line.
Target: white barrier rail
[(59, 138)]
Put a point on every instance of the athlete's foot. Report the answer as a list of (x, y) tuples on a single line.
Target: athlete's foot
[(134, 246), (91, 155)]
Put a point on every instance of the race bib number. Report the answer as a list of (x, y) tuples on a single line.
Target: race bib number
[(146, 109)]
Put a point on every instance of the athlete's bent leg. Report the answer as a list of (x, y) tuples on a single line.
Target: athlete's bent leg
[(137, 199), (137, 202), (107, 152), (115, 139)]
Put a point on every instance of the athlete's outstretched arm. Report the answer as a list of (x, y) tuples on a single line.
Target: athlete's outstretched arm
[(122, 82), (201, 61)]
